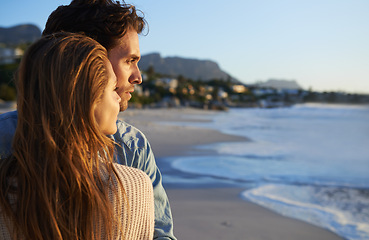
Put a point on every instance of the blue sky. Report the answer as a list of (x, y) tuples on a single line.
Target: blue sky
[(322, 44)]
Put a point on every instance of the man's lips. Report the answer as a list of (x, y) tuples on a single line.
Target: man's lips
[(126, 93), (129, 93)]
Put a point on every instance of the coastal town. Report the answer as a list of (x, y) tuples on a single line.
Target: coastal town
[(163, 91)]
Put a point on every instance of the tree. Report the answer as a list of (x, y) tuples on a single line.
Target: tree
[(7, 93), (150, 72)]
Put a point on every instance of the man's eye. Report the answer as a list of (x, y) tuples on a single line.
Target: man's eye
[(116, 89), (132, 60)]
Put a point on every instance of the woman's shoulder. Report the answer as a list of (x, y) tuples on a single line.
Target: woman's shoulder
[(133, 178), (131, 172)]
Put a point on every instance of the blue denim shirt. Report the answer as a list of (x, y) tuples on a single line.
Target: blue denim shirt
[(133, 150)]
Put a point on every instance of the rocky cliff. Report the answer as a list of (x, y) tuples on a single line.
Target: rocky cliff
[(190, 68)]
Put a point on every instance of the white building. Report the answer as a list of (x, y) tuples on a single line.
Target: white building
[(9, 55)]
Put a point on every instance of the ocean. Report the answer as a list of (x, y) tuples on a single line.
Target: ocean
[(309, 162)]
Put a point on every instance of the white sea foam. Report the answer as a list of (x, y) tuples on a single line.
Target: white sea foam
[(342, 210)]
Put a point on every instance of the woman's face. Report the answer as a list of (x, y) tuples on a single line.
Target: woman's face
[(107, 109)]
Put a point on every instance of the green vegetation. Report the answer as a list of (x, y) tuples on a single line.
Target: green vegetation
[(7, 71), (7, 86)]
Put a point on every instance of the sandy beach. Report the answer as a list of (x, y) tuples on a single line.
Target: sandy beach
[(214, 212)]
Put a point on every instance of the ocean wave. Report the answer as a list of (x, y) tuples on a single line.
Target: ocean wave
[(344, 211)]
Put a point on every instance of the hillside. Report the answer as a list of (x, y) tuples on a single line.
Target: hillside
[(195, 69), (24, 33)]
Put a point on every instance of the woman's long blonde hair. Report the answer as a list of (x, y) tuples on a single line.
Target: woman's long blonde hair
[(50, 188)]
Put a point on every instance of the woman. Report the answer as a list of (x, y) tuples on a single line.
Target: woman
[(61, 182)]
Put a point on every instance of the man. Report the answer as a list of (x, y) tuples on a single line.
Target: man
[(116, 26)]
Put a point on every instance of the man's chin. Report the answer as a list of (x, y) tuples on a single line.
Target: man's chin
[(123, 107)]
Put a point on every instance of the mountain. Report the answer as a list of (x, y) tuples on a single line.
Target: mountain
[(194, 69), (280, 84), (24, 33)]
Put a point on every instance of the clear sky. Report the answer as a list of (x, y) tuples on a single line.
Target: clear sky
[(322, 44)]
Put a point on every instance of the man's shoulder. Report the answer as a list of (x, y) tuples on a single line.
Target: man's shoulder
[(130, 135), (8, 116), (8, 124)]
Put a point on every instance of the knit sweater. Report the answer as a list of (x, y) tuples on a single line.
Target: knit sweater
[(139, 220), (139, 191)]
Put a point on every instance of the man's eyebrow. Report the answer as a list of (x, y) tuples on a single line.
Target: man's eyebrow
[(134, 56)]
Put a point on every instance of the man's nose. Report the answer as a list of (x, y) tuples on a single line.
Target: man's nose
[(136, 77)]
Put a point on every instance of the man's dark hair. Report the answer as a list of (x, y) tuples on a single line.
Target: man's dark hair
[(106, 21)]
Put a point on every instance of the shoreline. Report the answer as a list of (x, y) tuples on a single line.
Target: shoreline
[(170, 140), (210, 211)]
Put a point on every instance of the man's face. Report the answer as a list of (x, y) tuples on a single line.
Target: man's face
[(124, 59)]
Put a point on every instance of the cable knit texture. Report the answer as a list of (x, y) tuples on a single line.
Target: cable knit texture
[(139, 220)]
